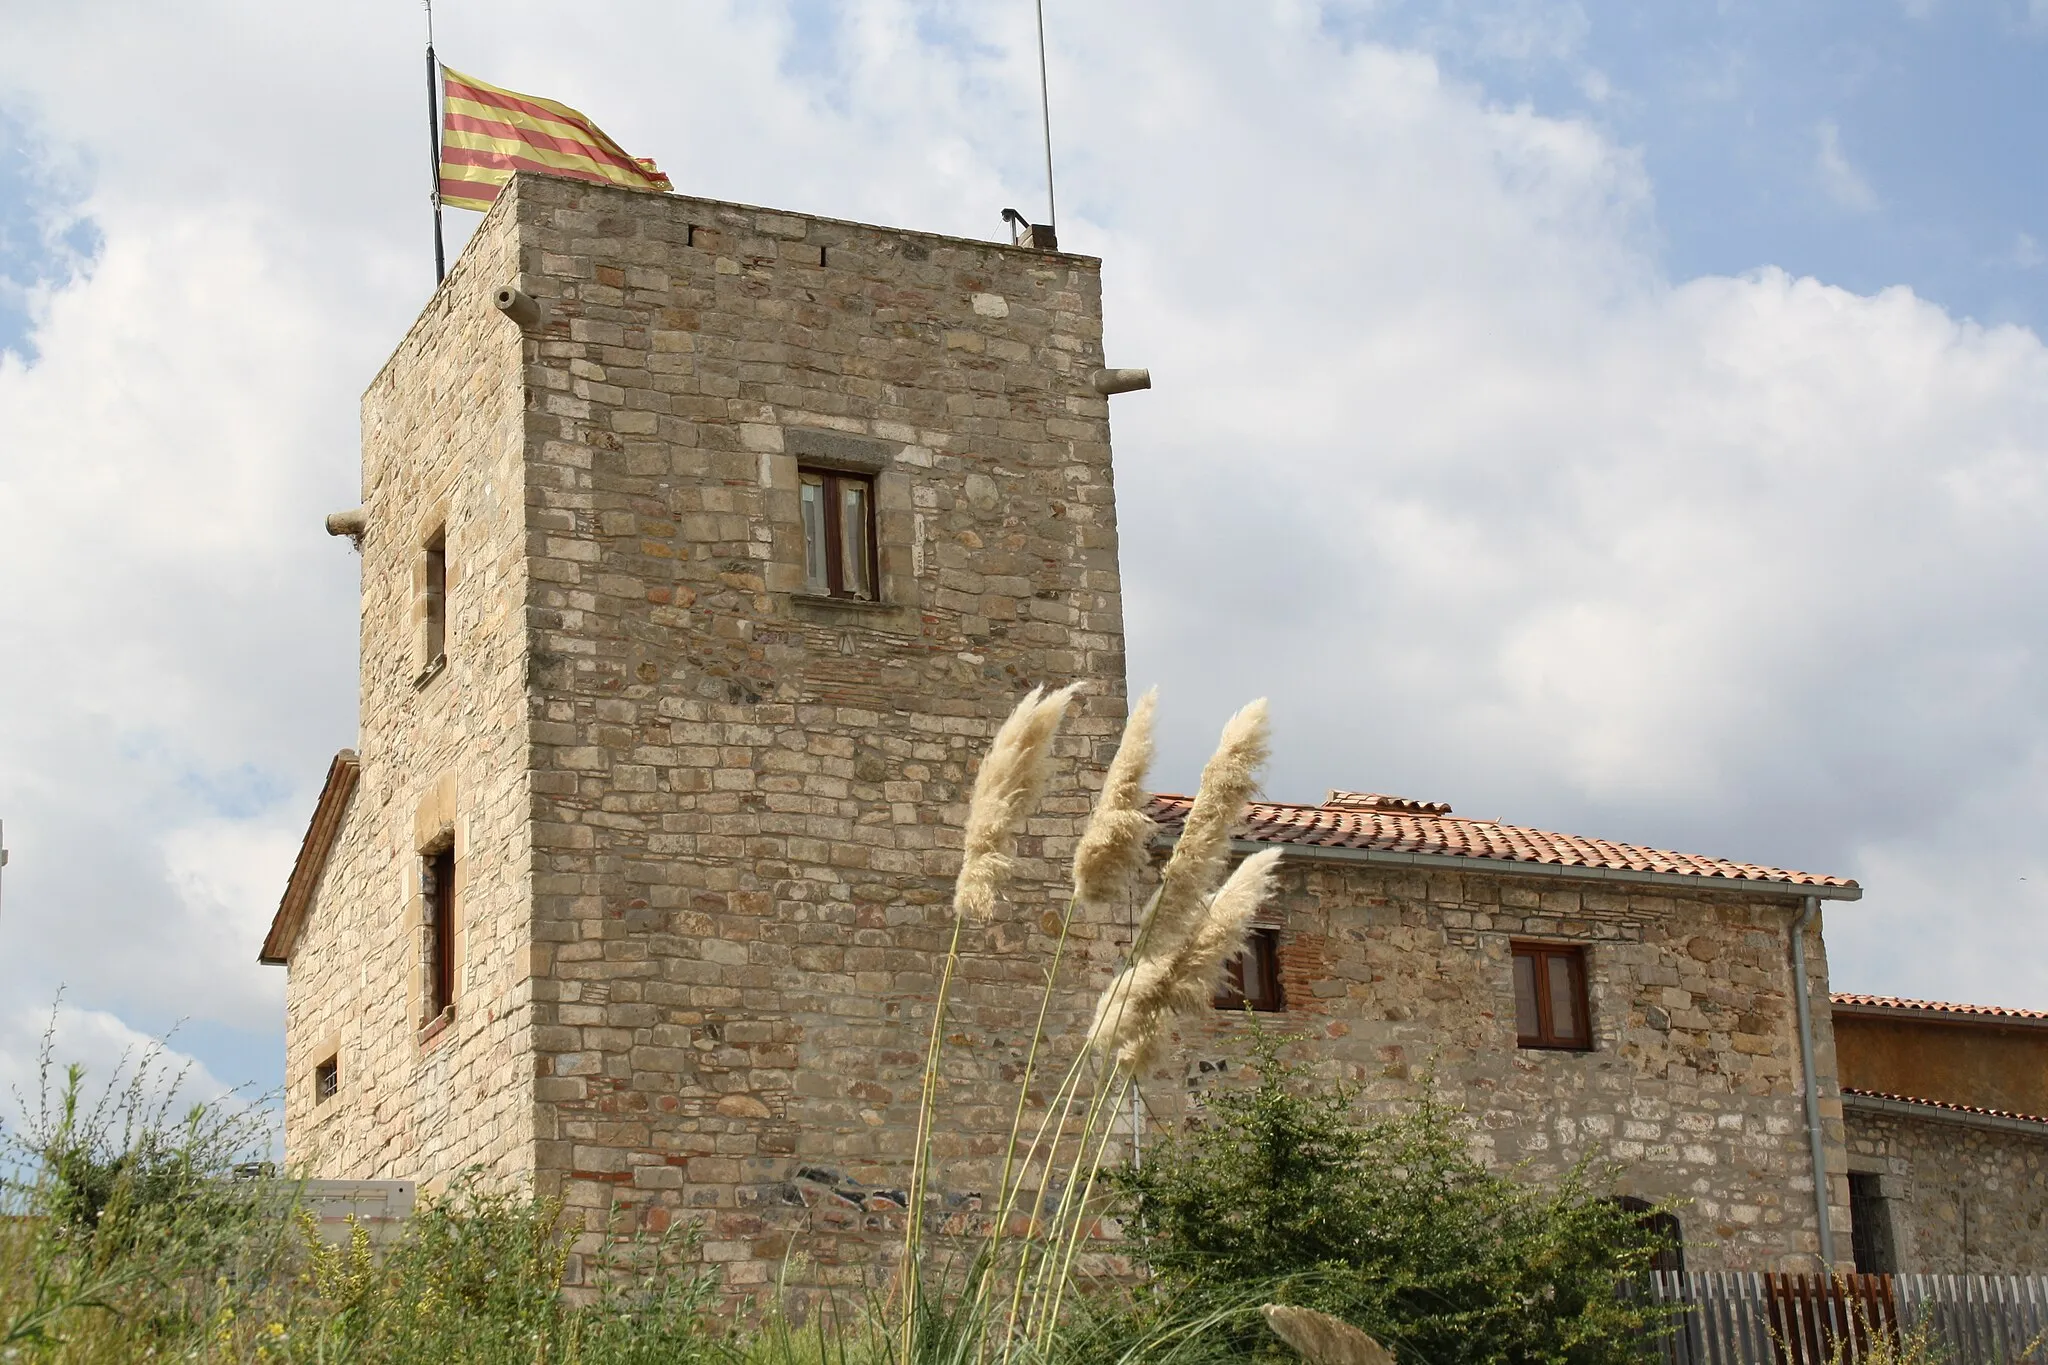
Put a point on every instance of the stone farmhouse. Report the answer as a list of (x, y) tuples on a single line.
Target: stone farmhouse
[(703, 548), (1946, 1112)]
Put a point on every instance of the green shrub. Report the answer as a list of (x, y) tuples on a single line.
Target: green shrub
[(477, 1279), (126, 1234), (1390, 1224)]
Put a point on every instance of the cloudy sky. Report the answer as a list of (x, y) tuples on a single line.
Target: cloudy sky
[(1592, 415)]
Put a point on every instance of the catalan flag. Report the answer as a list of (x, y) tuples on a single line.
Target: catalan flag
[(488, 133)]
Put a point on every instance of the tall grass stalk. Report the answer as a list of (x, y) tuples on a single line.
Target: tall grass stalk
[(1007, 789), (1191, 928)]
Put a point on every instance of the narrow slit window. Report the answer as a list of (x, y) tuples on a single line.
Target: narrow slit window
[(439, 876), (434, 601), (327, 1080), (1550, 997), (838, 511), (1870, 1226), (1251, 980)]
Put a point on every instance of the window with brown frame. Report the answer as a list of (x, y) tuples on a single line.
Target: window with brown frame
[(327, 1080), (1550, 996), (839, 533), (1251, 980), (438, 874)]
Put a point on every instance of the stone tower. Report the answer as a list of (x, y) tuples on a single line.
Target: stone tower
[(698, 566)]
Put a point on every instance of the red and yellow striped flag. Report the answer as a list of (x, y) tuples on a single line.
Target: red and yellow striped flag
[(488, 133)]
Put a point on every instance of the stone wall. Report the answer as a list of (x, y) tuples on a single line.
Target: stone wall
[(706, 824), (1963, 1197), (444, 754), (1692, 1088), (747, 800)]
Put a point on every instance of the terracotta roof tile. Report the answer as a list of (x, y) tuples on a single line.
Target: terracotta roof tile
[(312, 859), (1849, 1092), (1893, 1002), (1368, 821)]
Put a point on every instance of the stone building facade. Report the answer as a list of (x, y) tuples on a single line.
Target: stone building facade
[(703, 815), (1949, 1190), (1946, 1110), (635, 885), (1397, 924)]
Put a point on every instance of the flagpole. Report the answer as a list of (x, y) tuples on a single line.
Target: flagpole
[(1052, 213), (434, 145)]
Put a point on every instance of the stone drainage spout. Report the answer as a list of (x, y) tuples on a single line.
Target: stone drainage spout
[(1801, 988), (516, 304), (1107, 382)]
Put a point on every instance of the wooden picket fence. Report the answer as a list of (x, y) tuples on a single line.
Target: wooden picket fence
[(1772, 1319)]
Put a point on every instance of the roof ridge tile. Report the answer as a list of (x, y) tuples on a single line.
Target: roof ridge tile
[(1443, 834)]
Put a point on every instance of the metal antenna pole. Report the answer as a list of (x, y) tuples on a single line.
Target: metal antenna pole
[(1052, 214), (434, 144), (3, 849)]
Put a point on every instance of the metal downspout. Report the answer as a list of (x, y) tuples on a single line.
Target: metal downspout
[(1801, 988)]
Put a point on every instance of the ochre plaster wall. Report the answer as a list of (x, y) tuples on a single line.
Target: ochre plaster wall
[(1983, 1064)]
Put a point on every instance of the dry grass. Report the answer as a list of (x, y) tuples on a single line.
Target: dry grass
[(1322, 1339), (1116, 845)]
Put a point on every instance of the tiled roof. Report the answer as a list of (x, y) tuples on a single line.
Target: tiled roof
[(1938, 1008), (1396, 826), (1852, 1094), (312, 859)]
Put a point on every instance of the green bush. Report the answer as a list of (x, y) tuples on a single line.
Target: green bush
[(1390, 1224), (126, 1234), (476, 1279)]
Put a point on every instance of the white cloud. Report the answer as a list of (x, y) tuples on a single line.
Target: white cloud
[(1842, 182), (114, 1056), (1437, 457)]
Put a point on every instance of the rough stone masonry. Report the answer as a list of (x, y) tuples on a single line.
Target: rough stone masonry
[(703, 818), (704, 821)]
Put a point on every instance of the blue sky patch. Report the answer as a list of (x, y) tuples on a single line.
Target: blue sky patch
[(1864, 144), (43, 240)]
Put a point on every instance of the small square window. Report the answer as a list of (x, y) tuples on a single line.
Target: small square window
[(1252, 978), (327, 1080), (1550, 996), (839, 533)]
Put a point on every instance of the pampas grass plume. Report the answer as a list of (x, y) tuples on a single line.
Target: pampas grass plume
[(1112, 849), (1133, 1015), (1322, 1339), (1199, 856), (1007, 789)]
